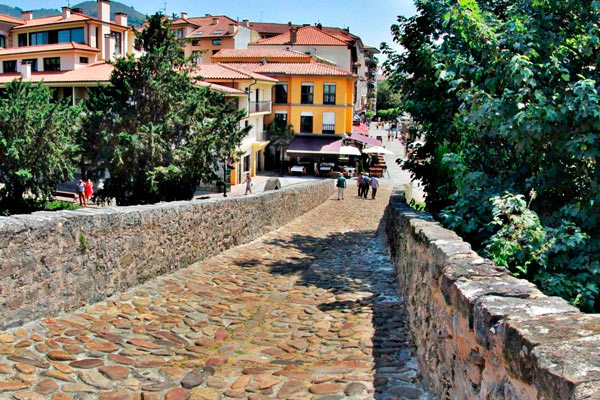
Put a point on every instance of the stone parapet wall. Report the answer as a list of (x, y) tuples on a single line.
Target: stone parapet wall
[(59, 261), (481, 333)]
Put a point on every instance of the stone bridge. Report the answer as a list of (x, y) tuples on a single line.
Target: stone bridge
[(295, 297)]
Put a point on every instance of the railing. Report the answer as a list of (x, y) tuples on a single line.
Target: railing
[(328, 128), (259, 107)]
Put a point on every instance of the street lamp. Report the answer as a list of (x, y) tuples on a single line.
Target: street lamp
[(225, 178)]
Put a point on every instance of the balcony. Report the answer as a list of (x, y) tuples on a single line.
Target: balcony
[(328, 128), (259, 107)]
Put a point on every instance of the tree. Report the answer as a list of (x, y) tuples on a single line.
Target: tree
[(156, 132), (37, 147), (281, 136), (387, 96), (505, 94)]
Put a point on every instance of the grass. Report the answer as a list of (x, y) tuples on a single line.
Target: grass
[(38, 205)]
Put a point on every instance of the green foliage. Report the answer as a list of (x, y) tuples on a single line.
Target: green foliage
[(388, 97), (505, 96), (156, 132), (281, 136), (36, 144)]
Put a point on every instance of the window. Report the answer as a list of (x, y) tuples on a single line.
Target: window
[(280, 119), (179, 33), (328, 122), (215, 52), (52, 64), (216, 42), (195, 43), (84, 60), (329, 93), (218, 32), (197, 56), (9, 66), (117, 36), (2, 41), (306, 123), (246, 163), (38, 38), (77, 35), (281, 93), (33, 62), (22, 39), (306, 94)]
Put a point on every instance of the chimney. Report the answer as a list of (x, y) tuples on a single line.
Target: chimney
[(66, 12), (207, 15), (121, 19), (27, 15), (103, 10), (215, 21), (26, 71), (319, 26), (293, 34), (76, 10), (246, 23), (183, 15)]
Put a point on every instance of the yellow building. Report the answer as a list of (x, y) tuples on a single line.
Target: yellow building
[(314, 97)]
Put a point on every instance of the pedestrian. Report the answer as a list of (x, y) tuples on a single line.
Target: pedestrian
[(341, 185), (248, 182), (100, 185), (395, 130), (374, 186), (89, 190), (366, 182), (81, 193), (389, 135), (359, 185)]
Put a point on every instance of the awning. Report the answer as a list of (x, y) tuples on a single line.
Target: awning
[(315, 145), (365, 139), (361, 128)]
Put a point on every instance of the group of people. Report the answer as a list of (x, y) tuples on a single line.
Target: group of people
[(364, 182), (85, 191)]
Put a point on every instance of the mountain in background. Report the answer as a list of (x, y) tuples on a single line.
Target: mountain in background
[(134, 17)]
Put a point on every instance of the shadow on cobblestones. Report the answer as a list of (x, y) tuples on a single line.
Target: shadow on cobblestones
[(355, 268)]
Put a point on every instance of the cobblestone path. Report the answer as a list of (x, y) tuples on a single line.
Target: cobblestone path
[(308, 311)]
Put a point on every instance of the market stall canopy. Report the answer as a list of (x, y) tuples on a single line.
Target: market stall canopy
[(361, 129), (315, 145), (365, 139), (377, 150), (349, 151)]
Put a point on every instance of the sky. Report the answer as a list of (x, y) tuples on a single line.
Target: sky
[(369, 19)]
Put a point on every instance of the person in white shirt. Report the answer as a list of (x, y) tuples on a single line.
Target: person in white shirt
[(374, 186)]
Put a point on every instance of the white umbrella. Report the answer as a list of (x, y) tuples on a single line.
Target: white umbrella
[(377, 150), (349, 150)]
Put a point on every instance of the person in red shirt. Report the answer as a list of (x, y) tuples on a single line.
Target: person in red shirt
[(89, 189)]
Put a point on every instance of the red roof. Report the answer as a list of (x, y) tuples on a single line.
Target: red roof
[(229, 72), (259, 52), (10, 19), (269, 29), (307, 35), (58, 19), (93, 73), (314, 68), (221, 88), (47, 47)]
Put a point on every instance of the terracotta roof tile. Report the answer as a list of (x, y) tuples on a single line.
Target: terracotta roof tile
[(259, 52), (307, 35), (93, 73), (11, 19), (209, 26), (228, 72), (47, 47), (314, 68), (58, 19), (221, 88), (270, 28)]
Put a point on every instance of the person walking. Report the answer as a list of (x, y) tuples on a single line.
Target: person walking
[(366, 183), (89, 190), (341, 185), (248, 183), (81, 193), (359, 185), (374, 186)]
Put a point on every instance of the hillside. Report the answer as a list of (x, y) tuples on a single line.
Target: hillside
[(134, 17)]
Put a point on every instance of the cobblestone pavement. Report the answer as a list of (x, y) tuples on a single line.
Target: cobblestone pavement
[(307, 311)]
